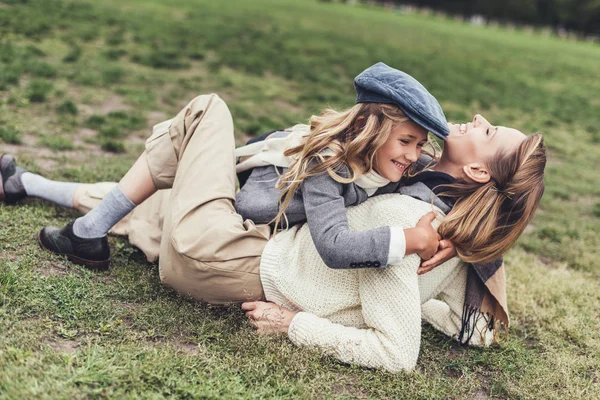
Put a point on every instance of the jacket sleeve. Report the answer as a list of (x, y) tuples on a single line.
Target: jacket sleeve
[(328, 224), (387, 297)]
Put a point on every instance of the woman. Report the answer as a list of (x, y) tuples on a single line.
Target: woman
[(368, 316)]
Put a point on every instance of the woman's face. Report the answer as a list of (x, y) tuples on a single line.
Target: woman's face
[(401, 149), (477, 141)]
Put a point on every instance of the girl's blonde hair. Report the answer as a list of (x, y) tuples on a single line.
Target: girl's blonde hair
[(488, 218), (347, 138)]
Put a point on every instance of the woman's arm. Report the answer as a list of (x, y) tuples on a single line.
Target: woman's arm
[(391, 310)]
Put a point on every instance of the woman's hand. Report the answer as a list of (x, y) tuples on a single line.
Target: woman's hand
[(445, 252), (268, 317)]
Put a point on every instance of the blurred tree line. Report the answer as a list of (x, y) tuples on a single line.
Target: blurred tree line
[(580, 16)]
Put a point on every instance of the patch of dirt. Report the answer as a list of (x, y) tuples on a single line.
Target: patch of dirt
[(594, 376), (453, 373), (27, 142), (548, 261), (53, 269), (137, 138), (62, 345), (46, 158), (113, 103), (82, 140), (480, 395), (130, 309), (105, 277), (154, 117), (130, 306), (7, 257), (39, 154), (86, 133), (187, 348), (529, 229), (349, 389)]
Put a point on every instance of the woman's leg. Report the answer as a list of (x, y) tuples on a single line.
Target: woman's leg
[(207, 251)]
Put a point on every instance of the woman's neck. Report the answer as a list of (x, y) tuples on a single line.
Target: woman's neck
[(448, 168)]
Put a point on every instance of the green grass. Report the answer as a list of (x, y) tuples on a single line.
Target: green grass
[(67, 107), (94, 76), (9, 134), (38, 90), (57, 143)]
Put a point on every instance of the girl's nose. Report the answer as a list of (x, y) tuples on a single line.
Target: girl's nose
[(413, 156)]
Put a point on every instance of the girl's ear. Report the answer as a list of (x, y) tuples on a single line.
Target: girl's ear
[(477, 173)]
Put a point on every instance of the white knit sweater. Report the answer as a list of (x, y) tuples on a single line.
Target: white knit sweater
[(371, 317)]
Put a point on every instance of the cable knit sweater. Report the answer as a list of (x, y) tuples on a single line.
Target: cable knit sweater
[(370, 317)]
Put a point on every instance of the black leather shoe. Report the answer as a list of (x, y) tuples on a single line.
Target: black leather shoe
[(92, 253), (11, 186)]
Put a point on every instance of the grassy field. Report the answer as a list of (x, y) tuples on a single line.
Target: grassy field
[(82, 82)]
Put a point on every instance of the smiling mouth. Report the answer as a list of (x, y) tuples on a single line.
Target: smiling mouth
[(460, 129), (400, 167)]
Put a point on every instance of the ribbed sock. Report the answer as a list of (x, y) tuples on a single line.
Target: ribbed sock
[(61, 193), (98, 222)]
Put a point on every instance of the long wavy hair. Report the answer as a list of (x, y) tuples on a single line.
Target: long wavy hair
[(347, 138), (487, 219)]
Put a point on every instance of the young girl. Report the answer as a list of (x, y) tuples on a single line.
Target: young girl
[(313, 172), (306, 174)]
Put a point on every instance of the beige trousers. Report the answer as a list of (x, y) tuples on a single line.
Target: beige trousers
[(205, 249)]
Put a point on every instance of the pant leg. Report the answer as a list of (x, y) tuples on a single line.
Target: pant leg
[(207, 250)]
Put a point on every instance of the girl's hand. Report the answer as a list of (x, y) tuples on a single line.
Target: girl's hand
[(268, 317), (446, 251), (423, 239)]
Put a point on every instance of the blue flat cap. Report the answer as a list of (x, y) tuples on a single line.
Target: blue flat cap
[(382, 84)]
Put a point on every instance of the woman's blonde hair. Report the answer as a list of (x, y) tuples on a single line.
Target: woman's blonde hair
[(488, 218), (339, 139)]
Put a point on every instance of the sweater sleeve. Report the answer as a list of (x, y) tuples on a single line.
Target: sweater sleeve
[(387, 297), (445, 312), (328, 224)]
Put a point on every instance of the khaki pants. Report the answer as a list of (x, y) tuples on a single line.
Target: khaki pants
[(205, 249)]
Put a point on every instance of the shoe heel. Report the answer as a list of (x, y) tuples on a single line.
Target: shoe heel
[(94, 265)]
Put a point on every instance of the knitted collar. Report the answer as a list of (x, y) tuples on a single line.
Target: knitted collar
[(371, 180)]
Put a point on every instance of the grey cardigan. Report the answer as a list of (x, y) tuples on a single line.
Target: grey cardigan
[(321, 202)]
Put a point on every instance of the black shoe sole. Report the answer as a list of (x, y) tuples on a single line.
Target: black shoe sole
[(94, 265)]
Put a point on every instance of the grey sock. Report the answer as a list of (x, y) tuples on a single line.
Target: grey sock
[(61, 193), (98, 222)]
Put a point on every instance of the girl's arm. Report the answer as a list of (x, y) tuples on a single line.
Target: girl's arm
[(339, 247)]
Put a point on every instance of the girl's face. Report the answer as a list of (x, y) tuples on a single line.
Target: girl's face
[(401, 149)]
